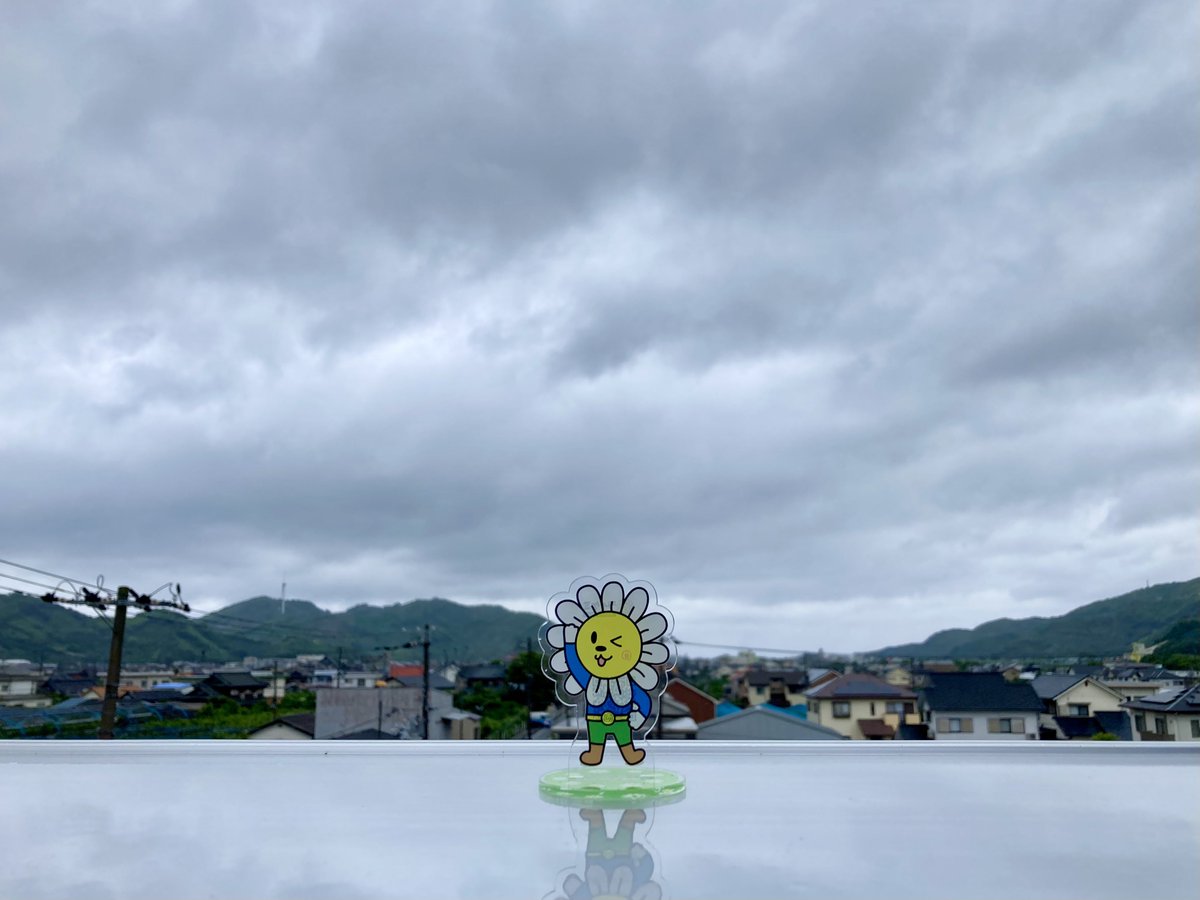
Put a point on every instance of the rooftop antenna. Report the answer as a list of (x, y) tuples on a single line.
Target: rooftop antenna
[(282, 597)]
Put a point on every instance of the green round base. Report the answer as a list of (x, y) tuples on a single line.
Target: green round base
[(612, 788)]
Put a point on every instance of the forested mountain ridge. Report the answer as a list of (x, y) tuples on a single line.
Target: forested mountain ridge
[(1103, 628), (261, 626)]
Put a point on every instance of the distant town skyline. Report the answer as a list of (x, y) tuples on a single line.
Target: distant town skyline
[(840, 324)]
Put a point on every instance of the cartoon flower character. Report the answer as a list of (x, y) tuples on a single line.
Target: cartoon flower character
[(605, 643), (615, 868)]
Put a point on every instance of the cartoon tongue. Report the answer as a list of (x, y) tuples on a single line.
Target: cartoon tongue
[(600, 661)]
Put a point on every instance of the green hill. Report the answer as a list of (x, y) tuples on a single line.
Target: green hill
[(32, 629), (1179, 648), (1104, 628)]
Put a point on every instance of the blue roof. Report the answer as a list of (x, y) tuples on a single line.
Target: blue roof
[(725, 708), (800, 712)]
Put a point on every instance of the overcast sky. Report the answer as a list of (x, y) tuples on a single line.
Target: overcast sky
[(839, 323)]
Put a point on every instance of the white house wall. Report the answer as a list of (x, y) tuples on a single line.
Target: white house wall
[(1097, 698), (980, 726)]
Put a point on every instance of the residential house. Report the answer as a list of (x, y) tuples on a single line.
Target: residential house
[(395, 711), (490, 676), (436, 681), (820, 676), (19, 688), (764, 723), (98, 691), (1136, 681), (1170, 715), (862, 706), (275, 680), (141, 679), (358, 678), (1076, 707), (67, 685), (234, 685), (404, 669), (295, 727), (979, 706), (459, 725), (701, 707), (778, 687)]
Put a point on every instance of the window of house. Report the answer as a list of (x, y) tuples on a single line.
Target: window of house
[(1160, 725), (952, 725), (1139, 722), (1196, 728), (872, 707), (1078, 709), (896, 707), (841, 709)]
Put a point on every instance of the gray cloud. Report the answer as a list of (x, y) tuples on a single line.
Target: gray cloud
[(876, 319)]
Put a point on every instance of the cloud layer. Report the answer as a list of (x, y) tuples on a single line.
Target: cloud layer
[(838, 324)]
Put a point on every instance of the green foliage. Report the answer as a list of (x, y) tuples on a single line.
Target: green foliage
[(1176, 661), (505, 711), (715, 687), (1103, 628), (532, 687), (501, 717), (1179, 647), (1104, 736)]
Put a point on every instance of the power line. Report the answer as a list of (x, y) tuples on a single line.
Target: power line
[(98, 585), (123, 598), (742, 647), (49, 587)]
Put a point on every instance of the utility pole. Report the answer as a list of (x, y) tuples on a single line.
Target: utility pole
[(425, 687), (424, 645), (112, 683), (125, 597)]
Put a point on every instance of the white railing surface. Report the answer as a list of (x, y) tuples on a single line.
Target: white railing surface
[(288, 819)]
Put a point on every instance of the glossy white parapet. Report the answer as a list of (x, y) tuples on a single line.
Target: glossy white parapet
[(242, 819)]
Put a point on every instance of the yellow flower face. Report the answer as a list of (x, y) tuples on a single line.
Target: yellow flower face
[(609, 644)]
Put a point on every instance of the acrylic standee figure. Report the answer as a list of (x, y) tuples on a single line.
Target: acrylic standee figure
[(602, 643), (615, 868)]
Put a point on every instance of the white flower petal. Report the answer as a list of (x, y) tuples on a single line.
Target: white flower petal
[(645, 677), (612, 597), (620, 882), (652, 626), (558, 662), (636, 603), (622, 693), (597, 691), (597, 880), (569, 613), (556, 636), (648, 891), (572, 687), (570, 632), (654, 652), (589, 600)]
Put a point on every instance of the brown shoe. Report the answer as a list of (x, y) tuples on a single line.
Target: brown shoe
[(593, 754), (631, 754)]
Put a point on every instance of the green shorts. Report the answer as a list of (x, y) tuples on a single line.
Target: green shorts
[(598, 732)]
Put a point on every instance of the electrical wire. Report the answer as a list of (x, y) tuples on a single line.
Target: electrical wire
[(97, 585), (40, 584), (742, 647)]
